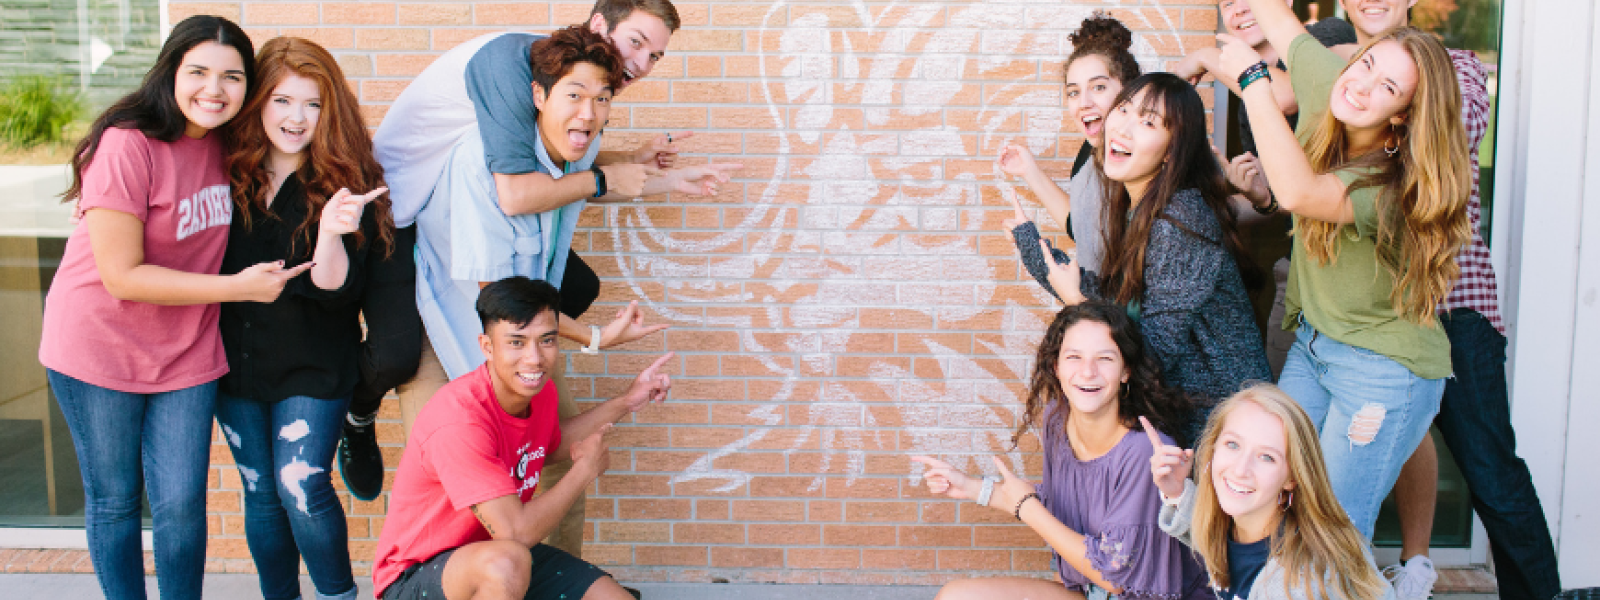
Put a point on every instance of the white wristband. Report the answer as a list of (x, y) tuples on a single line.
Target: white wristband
[(987, 489), (594, 341)]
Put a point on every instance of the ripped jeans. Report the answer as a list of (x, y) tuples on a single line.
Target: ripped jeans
[(284, 451), (1370, 411)]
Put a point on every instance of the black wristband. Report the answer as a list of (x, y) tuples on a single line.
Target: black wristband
[(599, 181), (1253, 73)]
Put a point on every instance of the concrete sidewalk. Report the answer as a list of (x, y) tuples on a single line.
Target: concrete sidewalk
[(59, 587)]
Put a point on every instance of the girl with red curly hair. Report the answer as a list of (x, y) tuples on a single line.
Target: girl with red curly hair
[(297, 151)]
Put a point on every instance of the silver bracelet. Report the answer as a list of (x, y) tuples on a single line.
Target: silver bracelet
[(594, 341), (987, 490)]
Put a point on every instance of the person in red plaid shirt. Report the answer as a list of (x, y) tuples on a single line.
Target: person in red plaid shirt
[(1475, 415)]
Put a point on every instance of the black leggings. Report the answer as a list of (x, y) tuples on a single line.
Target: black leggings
[(393, 346)]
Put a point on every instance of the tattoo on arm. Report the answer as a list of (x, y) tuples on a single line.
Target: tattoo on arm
[(482, 520)]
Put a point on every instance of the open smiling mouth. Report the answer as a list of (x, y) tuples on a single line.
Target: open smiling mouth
[(1238, 489), (530, 379), (1118, 149), (580, 137)]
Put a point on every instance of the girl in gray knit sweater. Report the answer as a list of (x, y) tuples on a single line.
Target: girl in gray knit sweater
[(1261, 513), (1172, 253)]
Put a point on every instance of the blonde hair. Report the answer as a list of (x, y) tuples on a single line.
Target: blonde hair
[(1422, 208), (1316, 536)]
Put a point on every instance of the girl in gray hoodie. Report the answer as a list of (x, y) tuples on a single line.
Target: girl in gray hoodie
[(1261, 513)]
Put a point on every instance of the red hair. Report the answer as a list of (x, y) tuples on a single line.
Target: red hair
[(340, 153)]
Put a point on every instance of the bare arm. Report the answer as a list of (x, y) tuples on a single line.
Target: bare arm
[(1279, 23), (507, 518), (942, 478), (1298, 188), (652, 385), (117, 241), (1017, 160), (1205, 60)]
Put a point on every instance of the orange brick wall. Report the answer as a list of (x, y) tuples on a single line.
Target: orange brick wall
[(848, 303)]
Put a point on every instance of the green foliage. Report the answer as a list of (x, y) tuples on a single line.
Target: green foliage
[(36, 109)]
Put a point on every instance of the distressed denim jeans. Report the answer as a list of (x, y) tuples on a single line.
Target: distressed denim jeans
[(129, 444), (284, 451), (1370, 412)]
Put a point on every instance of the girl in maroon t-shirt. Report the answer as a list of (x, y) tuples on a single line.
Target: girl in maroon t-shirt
[(130, 337)]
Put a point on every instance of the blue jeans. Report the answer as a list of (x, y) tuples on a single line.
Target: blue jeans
[(1370, 411), (127, 444), (284, 450), (1475, 421)]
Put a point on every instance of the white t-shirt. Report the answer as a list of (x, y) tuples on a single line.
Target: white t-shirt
[(421, 127)]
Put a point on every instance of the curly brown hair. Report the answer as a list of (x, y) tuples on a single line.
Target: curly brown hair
[(1105, 37), (340, 153), (553, 57), (1144, 395)]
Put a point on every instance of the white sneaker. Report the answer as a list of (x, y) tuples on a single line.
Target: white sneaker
[(1412, 579)]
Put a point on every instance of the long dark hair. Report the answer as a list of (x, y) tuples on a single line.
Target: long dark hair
[(153, 108), (1144, 394), (1189, 165), (339, 156)]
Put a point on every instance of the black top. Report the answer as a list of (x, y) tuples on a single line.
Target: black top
[(1244, 564), (306, 343), (1331, 32)]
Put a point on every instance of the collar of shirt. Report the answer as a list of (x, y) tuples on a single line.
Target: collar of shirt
[(549, 164)]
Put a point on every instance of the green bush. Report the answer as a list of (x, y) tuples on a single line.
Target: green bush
[(36, 109)]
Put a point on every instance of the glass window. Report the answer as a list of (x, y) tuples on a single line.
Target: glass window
[(101, 49)]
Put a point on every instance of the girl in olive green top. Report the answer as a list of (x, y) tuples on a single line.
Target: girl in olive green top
[(1378, 182)]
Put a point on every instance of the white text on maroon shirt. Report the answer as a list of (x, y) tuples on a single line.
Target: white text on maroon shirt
[(212, 206)]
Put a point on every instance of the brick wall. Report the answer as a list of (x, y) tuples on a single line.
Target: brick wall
[(850, 302)]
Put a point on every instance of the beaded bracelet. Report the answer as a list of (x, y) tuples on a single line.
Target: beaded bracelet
[(1271, 207), (1252, 74), (1018, 512)]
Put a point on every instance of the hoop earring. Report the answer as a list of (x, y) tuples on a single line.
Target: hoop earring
[(1396, 149)]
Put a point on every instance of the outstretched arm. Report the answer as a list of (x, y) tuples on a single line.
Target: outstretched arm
[(1299, 189), (652, 385), (1278, 21), (1010, 493)]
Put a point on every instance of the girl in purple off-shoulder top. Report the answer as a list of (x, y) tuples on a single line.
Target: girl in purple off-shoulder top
[(1097, 506)]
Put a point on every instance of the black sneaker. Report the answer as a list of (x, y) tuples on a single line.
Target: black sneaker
[(361, 462)]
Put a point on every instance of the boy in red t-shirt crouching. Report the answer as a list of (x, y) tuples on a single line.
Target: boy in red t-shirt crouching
[(463, 520)]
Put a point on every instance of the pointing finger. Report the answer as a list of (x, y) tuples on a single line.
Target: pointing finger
[(1005, 472), (291, 272), (1155, 438), (930, 462), (660, 361)]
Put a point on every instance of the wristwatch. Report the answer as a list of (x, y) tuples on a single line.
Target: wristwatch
[(987, 489), (599, 181), (594, 341)]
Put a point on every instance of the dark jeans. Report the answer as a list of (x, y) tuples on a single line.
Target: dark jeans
[(393, 346), (1475, 420), (283, 451), (128, 444)]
